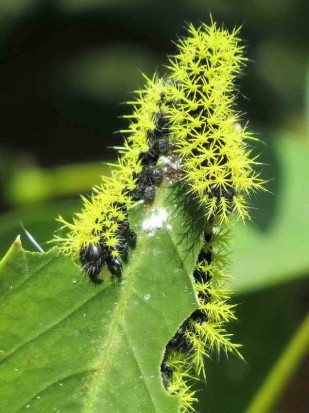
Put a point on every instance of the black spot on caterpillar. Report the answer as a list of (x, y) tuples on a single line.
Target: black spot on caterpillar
[(94, 257), (166, 373), (146, 182), (158, 144)]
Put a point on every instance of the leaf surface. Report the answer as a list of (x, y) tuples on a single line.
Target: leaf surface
[(70, 346), (275, 248)]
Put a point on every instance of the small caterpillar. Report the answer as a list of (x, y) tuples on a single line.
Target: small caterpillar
[(217, 170), (100, 234), (204, 331)]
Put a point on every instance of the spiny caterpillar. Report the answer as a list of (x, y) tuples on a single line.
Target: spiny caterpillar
[(218, 173), (187, 123), (100, 234), (204, 125), (204, 331)]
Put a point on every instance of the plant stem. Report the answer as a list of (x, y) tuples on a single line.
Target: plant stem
[(282, 372)]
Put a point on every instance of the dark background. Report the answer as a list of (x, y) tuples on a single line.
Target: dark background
[(66, 65)]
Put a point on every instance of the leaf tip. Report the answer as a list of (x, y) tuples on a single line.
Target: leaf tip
[(17, 243)]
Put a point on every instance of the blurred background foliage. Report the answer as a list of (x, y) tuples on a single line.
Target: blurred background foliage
[(65, 68)]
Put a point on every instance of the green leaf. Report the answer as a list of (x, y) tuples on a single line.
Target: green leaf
[(68, 345), (275, 248), (35, 184)]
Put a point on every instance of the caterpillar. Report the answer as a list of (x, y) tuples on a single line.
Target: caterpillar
[(217, 171), (204, 331), (100, 234)]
